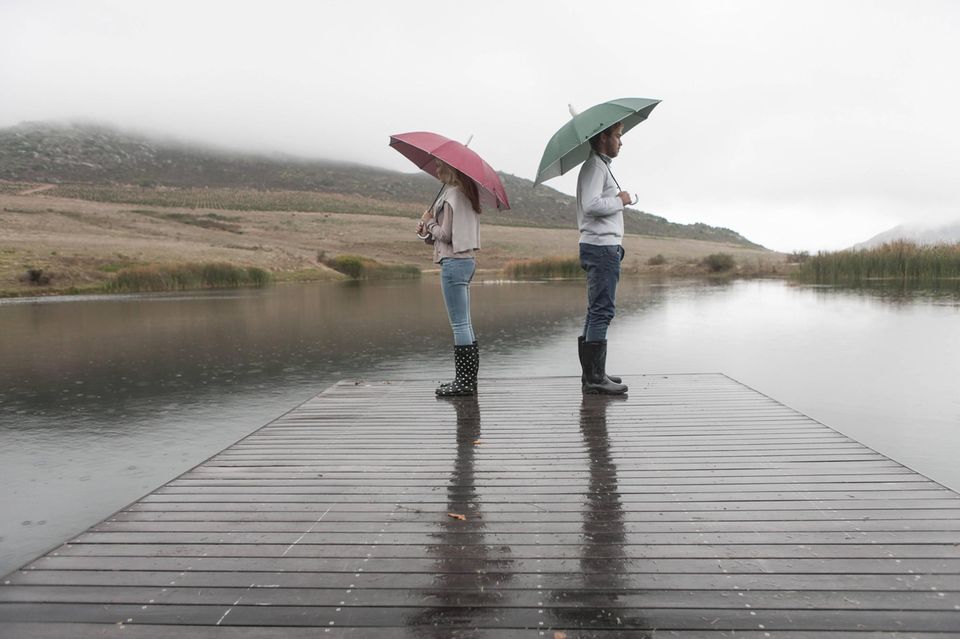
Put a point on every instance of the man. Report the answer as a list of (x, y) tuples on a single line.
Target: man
[(600, 205)]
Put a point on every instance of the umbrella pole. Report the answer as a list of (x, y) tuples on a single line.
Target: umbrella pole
[(614, 178), (617, 183), (442, 186)]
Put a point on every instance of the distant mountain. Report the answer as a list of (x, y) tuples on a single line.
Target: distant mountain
[(943, 234), (54, 153)]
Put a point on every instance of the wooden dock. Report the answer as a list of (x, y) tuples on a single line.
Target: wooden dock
[(696, 507)]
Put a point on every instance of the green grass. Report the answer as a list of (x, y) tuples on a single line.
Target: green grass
[(898, 261), (187, 277), (357, 267), (544, 268)]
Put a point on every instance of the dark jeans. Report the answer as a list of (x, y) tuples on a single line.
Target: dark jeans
[(602, 264)]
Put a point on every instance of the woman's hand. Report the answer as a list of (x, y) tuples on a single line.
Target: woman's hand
[(426, 217)]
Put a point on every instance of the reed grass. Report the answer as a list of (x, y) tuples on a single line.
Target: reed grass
[(182, 277), (357, 267), (900, 261), (544, 268)]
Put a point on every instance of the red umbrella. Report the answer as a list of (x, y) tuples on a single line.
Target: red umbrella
[(424, 149)]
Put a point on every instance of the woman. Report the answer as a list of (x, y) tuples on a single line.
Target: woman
[(454, 226)]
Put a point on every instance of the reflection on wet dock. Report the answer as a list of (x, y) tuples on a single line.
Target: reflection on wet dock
[(694, 507)]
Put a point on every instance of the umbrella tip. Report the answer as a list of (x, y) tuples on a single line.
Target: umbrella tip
[(573, 111), (469, 140)]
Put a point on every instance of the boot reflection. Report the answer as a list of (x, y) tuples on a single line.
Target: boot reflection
[(468, 573), (592, 599)]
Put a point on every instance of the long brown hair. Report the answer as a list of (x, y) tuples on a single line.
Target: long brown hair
[(453, 176)]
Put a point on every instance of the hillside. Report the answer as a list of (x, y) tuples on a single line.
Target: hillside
[(90, 154), (942, 234)]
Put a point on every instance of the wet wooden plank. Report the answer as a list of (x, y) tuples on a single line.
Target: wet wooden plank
[(455, 563), (746, 581), (114, 631), (696, 507), (107, 631), (948, 515), (470, 528), (268, 595), (543, 552), (450, 614), (124, 523)]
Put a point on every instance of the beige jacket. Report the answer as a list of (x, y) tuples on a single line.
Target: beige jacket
[(455, 226)]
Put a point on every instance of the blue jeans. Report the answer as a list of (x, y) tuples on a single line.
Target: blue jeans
[(455, 277), (602, 264)]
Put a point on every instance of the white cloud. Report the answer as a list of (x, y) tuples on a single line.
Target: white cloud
[(801, 125)]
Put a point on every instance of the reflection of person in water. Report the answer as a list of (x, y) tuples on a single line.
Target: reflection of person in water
[(603, 556), (467, 572)]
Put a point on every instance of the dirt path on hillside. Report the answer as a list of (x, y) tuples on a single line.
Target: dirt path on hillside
[(39, 189)]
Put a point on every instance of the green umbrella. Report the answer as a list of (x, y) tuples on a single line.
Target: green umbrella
[(571, 144)]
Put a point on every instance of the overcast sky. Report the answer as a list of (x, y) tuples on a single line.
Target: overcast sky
[(803, 125)]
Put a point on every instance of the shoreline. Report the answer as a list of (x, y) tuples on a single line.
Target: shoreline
[(484, 276), (76, 247)]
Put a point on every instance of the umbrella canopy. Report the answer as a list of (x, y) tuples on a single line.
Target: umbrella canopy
[(424, 149), (571, 144)]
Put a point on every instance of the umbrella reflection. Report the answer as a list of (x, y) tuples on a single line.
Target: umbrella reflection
[(468, 573), (593, 600)]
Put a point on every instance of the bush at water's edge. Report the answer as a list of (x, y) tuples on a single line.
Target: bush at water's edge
[(182, 277), (357, 267)]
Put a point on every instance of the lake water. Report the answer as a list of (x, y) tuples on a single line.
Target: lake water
[(103, 400)]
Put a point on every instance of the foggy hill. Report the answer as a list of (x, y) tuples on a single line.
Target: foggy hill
[(942, 234), (55, 153)]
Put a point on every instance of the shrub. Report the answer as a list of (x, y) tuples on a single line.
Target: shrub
[(37, 277), (357, 267), (350, 265), (719, 262), (657, 260)]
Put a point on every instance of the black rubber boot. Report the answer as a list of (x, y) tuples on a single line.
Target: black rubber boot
[(583, 366), (466, 360), (595, 362), (447, 384)]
